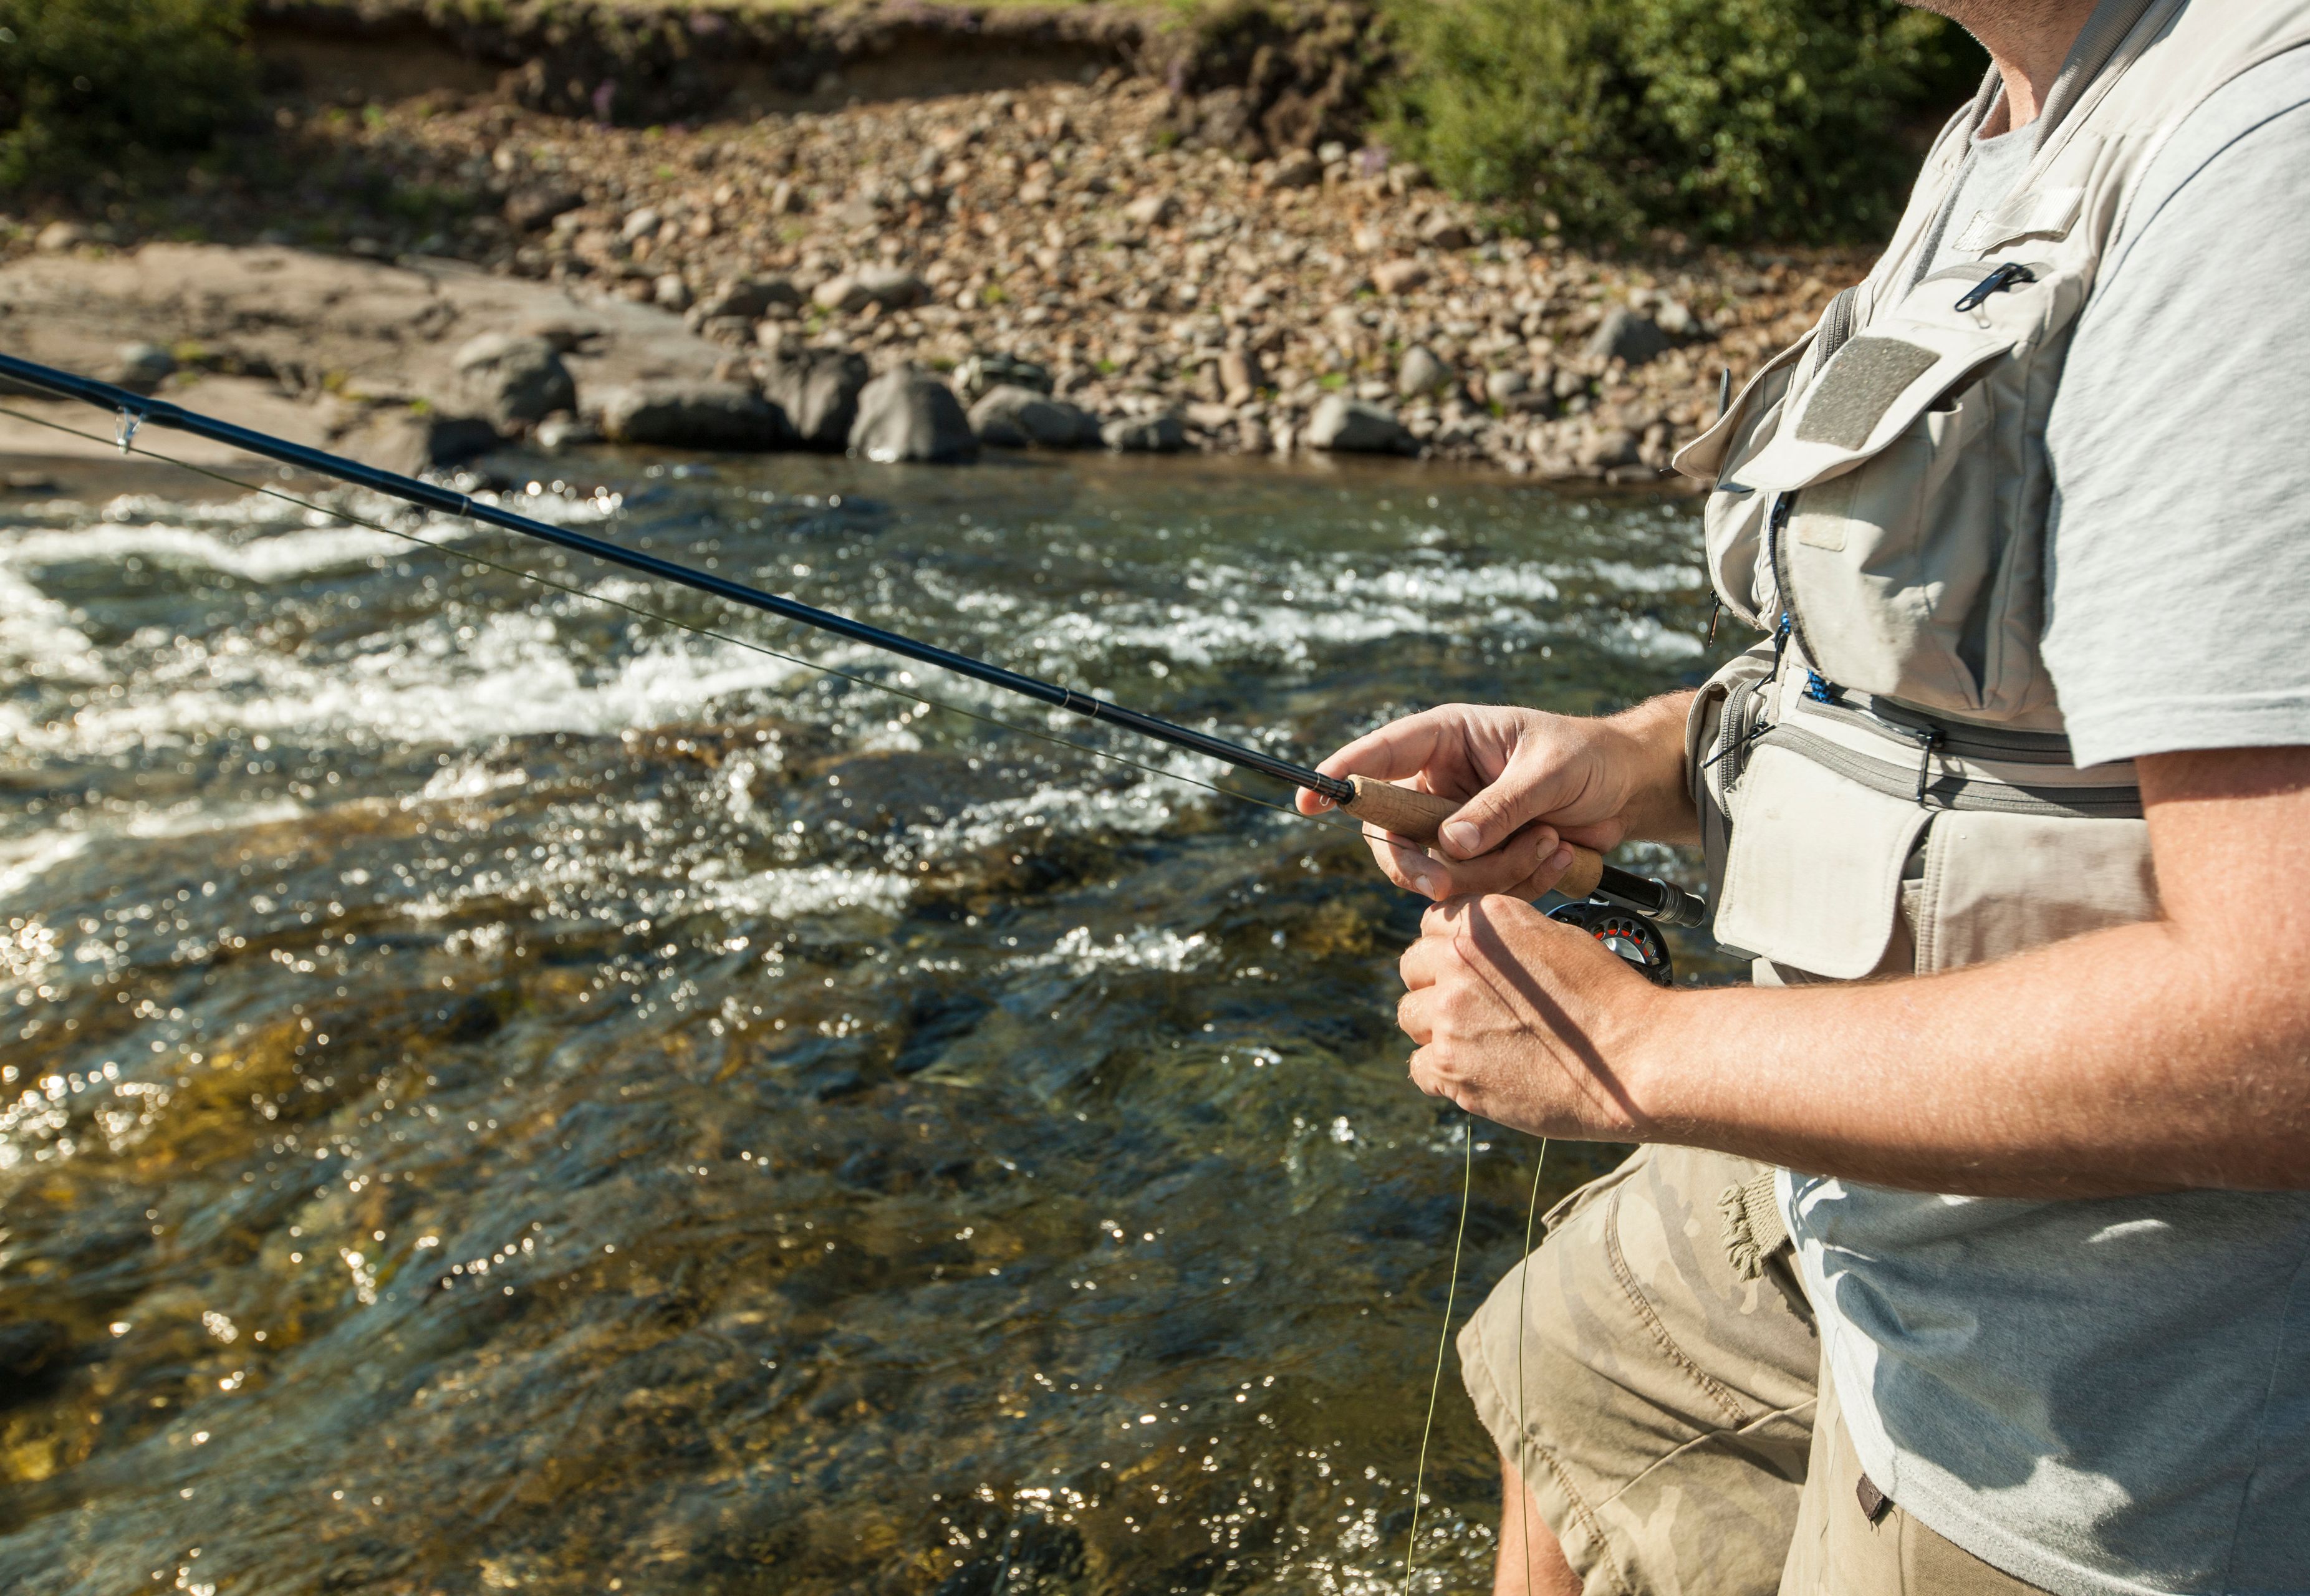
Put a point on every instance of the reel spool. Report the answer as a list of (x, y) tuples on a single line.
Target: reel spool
[(1623, 931)]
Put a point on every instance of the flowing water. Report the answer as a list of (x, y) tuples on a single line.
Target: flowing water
[(503, 1095)]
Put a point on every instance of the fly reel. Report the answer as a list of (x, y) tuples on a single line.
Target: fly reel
[(1623, 931)]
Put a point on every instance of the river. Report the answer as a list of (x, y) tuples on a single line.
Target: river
[(500, 1094)]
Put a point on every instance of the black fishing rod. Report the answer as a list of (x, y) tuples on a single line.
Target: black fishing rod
[(1407, 812)]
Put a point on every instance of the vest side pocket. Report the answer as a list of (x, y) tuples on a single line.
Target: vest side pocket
[(1812, 877), (1998, 884)]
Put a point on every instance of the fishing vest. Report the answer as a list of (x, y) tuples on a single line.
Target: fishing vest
[(1886, 785)]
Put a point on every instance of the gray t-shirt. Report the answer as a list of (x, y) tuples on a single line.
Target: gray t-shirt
[(2111, 1398)]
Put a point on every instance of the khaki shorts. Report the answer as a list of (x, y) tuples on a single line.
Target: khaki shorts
[(1675, 1433)]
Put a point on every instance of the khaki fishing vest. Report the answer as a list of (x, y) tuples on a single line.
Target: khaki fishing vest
[(1886, 785)]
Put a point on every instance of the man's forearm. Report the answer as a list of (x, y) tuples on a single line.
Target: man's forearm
[(1660, 807), (2136, 1058)]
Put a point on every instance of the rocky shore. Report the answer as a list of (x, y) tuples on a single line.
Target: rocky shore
[(1054, 266)]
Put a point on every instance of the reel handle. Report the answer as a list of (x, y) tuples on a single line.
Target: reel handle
[(1409, 812)]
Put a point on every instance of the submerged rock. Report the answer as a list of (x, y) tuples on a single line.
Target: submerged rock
[(906, 415), (694, 415)]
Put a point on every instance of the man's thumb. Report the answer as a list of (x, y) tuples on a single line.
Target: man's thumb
[(1481, 824)]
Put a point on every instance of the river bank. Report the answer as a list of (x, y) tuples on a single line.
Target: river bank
[(1153, 288)]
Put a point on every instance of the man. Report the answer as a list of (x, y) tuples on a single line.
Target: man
[(1970, 1246)]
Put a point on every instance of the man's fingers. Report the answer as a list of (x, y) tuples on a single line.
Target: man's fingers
[(1412, 1016), (1399, 749)]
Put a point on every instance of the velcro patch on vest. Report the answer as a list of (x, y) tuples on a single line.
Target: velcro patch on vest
[(1859, 385)]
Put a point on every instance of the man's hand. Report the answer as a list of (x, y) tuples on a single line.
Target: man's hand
[(1530, 782), (1517, 1018)]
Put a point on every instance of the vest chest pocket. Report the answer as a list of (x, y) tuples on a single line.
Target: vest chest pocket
[(1910, 488), (1734, 518)]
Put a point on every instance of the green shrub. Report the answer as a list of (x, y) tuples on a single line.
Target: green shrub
[(87, 85), (1725, 119)]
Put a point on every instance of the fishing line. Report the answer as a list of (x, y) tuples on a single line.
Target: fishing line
[(1523, 1286), (1443, 1340), (129, 446)]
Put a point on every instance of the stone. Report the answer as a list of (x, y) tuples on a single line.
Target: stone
[(907, 415), (1153, 210), (748, 297), (690, 415), (1606, 447), (1440, 231), (639, 224), (60, 236), (893, 288), (671, 291), (140, 368), (1205, 416), (556, 433), (514, 381), (1240, 377), (1626, 335), (842, 293), (1351, 427), (1502, 386), (785, 199), (529, 209), (1421, 372), (1676, 319), (1569, 384), (982, 373), (1252, 438), (1399, 276), (1010, 416), (1158, 434), (818, 389), (1298, 169)]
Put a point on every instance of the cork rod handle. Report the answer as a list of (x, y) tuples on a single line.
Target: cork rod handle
[(1409, 812)]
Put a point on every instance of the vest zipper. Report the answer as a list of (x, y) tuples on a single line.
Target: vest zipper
[(1776, 526), (2012, 274)]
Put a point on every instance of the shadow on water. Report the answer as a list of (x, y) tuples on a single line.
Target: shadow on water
[(504, 1096)]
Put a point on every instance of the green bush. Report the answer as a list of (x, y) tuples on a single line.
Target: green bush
[(87, 85), (1724, 119)]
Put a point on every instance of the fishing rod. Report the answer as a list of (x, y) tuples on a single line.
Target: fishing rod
[(1620, 906)]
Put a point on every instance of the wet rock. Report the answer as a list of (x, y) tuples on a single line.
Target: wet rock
[(1010, 416), (1421, 372), (556, 433), (1626, 335), (1351, 427), (30, 1348), (818, 389), (140, 367), (531, 208), (979, 374), (694, 415), (514, 381), (411, 442), (1158, 434), (906, 415), (1400, 277)]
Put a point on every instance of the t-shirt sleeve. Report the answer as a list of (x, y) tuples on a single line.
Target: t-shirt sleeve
[(2179, 548)]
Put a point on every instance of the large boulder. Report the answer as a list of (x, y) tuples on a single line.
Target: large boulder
[(1351, 427), (818, 389), (906, 415), (694, 415), (514, 381), (1010, 416), (1625, 335)]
